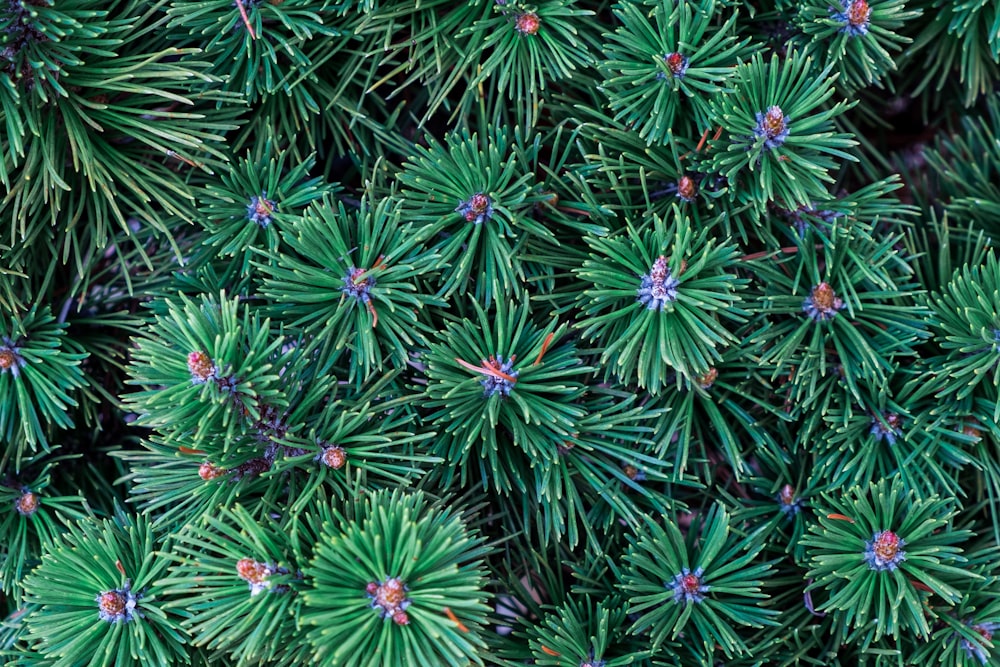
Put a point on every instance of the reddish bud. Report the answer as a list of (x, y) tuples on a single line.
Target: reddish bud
[(389, 598), (477, 209), (884, 551), (858, 12), (391, 593), (564, 448), (774, 122), (208, 471), (788, 503), (334, 457), (822, 303), (686, 189), (263, 207), (886, 545), (687, 586), (676, 63), (787, 494), (201, 367), (111, 604), (528, 23), (117, 605), (252, 571), (658, 287), (659, 271), (479, 202), (707, 379), (260, 209), (27, 504)]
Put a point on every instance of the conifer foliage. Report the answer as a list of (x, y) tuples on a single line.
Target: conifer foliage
[(569, 333)]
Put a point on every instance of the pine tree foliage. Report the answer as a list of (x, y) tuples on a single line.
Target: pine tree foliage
[(581, 632), (354, 280), (97, 121), (720, 412), (38, 376), (660, 299), (962, 36), (110, 567), (664, 65), (674, 585), (399, 582), (496, 388), (859, 37), (967, 164), (224, 207), (576, 333), (274, 50), (213, 362), (966, 320), (35, 513), (529, 44), (840, 307), (470, 198), (907, 557), (237, 585), (775, 124)]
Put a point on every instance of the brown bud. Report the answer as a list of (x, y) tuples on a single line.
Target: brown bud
[(708, 378), (112, 605), (201, 367), (334, 457), (27, 504), (528, 23), (886, 545), (971, 429), (7, 358), (774, 122), (858, 13), (686, 189), (390, 594), (253, 572), (209, 471)]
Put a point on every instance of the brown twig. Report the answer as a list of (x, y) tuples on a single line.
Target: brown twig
[(189, 162), (451, 615), (790, 250), (246, 19), (486, 370), (545, 347)]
